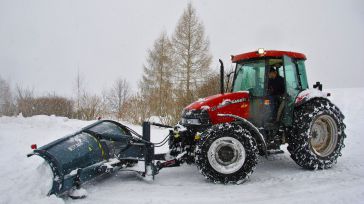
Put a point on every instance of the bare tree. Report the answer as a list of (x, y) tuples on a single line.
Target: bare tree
[(191, 53), (210, 87), (118, 97), (25, 101), (138, 109), (91, 107), (7, 106), (52, 105), (79, 93), (156, 86)]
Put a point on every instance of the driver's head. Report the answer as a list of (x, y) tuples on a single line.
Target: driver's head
[(272, 73), (277, 65)]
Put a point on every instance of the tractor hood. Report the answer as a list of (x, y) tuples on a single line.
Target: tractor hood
[(236, 103)]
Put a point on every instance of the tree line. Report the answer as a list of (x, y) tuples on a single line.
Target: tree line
[(177, 71)]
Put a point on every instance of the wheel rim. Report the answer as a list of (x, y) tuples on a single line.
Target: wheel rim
[(226, 155), (324, 135)]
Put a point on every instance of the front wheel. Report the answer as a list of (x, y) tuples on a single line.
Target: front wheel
[(318, 135), (226, 153)]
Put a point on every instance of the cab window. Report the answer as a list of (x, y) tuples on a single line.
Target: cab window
[(250, 77), (302, 73)]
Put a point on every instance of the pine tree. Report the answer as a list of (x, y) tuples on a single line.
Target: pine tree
[(156, 85), (192, 58)]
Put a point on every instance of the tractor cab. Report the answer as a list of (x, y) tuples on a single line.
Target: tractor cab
[(271, 95)]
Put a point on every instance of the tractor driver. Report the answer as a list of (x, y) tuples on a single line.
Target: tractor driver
[(275, 92), (275, 82)]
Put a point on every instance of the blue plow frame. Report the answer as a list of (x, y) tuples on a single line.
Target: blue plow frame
[(97, 149)]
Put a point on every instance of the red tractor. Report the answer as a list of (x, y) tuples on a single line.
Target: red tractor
[(224, 134), (269, 105)]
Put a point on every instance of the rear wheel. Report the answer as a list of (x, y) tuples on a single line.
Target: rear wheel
[(227, 153), (318, 135)]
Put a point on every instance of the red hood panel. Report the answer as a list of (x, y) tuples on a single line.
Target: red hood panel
[(236, 103)]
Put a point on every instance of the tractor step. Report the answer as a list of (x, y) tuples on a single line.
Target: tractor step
[(274, 151), (160, 156)]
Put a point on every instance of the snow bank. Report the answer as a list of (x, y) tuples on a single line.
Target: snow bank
[(34, 182), (29, 179), (276, 180)]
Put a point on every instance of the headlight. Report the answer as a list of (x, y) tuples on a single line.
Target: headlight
[(191, 121), (195, 117)]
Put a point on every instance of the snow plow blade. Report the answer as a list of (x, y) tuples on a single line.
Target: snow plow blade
[(97, 149)]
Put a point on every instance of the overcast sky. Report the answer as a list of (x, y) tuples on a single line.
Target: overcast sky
[(43, 43)]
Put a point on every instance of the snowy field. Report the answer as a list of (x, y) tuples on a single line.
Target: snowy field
[(276, 180)]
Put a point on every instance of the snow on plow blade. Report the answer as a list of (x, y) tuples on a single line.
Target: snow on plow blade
[(97, 149)]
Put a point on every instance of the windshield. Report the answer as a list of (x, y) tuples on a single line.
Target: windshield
[(250, 77)]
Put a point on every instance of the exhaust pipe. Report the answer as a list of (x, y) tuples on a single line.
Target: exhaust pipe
[(221, 76)]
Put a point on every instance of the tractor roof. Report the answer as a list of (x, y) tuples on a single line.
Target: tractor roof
[(267, 53)]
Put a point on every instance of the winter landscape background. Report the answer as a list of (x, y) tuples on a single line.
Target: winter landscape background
[(276, 180), (45, 46)]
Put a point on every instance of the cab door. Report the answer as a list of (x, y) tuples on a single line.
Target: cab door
[(292, 89)]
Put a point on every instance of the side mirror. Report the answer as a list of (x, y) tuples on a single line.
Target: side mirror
[(318, 86), (228, 80)]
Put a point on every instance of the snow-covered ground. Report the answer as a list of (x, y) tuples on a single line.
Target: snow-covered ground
[(276, 180)]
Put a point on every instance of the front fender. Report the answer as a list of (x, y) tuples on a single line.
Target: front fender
[(251, 128)]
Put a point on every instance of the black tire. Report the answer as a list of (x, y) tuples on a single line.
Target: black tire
[(318, 135), (240, 139)]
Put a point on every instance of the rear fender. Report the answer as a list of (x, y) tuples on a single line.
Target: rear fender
[(309, 94)]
